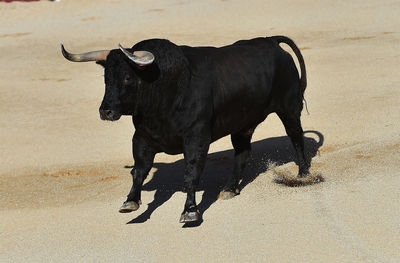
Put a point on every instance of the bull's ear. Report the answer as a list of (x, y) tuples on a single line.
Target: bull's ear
[(101, 62)]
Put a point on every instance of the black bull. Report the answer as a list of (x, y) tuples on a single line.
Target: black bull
[(183, 98)]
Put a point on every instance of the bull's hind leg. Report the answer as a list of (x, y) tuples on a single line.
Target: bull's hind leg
[(143, 154), (241, 144), (295, 132)]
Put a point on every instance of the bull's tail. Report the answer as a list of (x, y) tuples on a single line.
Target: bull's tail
[(296, 50)]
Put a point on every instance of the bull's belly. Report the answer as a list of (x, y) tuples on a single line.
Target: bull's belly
[(223, 126), (238, 122), (242, 106), (234, 120), (168, 143)]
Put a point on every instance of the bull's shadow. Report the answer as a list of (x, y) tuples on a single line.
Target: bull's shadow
[(168, 178)]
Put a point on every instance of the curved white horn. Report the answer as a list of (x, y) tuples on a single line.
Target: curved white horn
[(84, 57), (142, 58)]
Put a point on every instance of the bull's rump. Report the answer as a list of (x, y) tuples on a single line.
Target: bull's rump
[(241, 77)]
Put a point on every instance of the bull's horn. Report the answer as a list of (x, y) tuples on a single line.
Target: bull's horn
[(89, 56), (142, 58)]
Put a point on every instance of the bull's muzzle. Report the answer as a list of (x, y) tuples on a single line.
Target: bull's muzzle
[(109, 115)]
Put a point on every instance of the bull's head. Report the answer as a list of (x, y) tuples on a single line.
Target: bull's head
[(120, 76)]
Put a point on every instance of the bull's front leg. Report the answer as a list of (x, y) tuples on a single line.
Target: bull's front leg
[(143, 154), (195, 154)]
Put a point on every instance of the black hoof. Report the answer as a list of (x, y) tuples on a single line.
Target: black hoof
[(226, 195), (130, 206), (303, 173), (189, 217)]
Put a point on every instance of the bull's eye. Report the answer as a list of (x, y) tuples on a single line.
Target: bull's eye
[(127, 79)]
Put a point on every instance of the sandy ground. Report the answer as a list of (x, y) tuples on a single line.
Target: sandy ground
[(62, 175)]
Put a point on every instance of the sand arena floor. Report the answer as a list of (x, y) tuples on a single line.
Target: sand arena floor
[(62, 170)]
